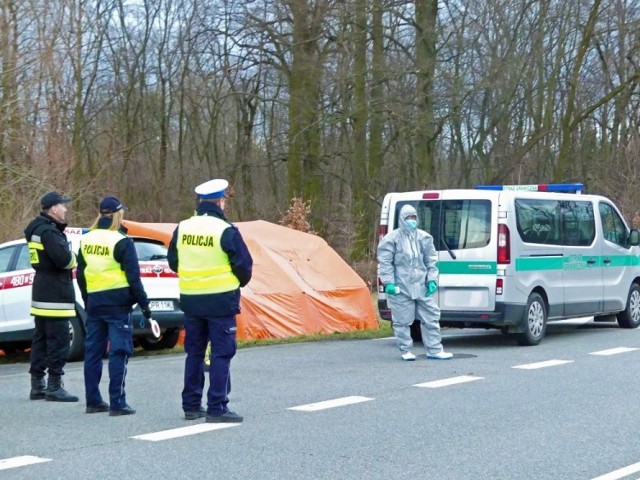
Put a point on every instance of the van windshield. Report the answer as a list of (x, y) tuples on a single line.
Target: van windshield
[(454, 224)]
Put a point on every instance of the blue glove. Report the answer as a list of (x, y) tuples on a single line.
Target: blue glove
[(432, 286), (390, 289)]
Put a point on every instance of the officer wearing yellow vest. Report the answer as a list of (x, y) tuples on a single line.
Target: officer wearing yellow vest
[(52, 298), (109, 280), (212, 262)]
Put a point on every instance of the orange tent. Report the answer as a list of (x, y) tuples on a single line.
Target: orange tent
[(300, 285)]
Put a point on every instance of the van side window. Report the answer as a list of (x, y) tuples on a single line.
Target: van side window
[(537, 221), (578, 223), (465, 224), (460, 224), (613, 228), (424, 210)]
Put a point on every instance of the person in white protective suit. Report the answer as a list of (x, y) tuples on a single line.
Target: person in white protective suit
[(408, 268)]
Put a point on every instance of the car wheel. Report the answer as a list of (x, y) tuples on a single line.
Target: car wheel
[(630, 316), (535, 321), (168, 339), (76, 340)]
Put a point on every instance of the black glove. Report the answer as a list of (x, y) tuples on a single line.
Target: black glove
[(146, 311)]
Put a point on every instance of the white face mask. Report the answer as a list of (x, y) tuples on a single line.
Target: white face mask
[(411, 224)]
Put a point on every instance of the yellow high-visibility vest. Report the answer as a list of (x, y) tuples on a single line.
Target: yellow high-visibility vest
[(102, 272), (203, 267)]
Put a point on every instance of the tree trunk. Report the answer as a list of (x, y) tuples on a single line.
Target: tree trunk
[(425, 128)]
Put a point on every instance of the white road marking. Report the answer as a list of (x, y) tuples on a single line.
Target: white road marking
[(184, 431), (623, 472), (448, 381), (7, 463), (548, 363), (614, 351), (337, 402)]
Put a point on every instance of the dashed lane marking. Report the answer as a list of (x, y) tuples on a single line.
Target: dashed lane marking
[(622, 472), (183, 431), (337, 402), (7, 463), (614, 351), (448, 381), (548, 363)]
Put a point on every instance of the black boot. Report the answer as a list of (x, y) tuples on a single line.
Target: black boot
[(38, 388), (56, 392)]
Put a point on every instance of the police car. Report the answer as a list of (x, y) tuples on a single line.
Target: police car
[(160, 283), (515, 257)]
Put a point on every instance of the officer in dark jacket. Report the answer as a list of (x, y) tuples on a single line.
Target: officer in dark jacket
[(212, 262), (109, 279), (52, 298)]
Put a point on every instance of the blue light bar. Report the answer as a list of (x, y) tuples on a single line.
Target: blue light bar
[(545, 187)]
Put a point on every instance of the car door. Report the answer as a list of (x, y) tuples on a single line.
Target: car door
[(16, 275), (6, 254)]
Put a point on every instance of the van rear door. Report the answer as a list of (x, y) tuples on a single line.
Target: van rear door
[(466, 239), (463, 224)]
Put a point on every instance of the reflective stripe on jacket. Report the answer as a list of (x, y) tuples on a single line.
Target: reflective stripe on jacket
[(52, 309), (103, 271), (204, 267)]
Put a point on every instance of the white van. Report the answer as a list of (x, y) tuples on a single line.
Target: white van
[(515, 257)]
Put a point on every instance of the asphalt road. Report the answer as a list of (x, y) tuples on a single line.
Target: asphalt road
[(495, 412)]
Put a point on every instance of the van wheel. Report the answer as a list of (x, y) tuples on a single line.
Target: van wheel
[(416, 333), (535, 321), (76, 340), (630, 316), (168, 339)]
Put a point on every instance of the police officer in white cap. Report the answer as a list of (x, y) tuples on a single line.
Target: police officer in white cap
[(212, 262)]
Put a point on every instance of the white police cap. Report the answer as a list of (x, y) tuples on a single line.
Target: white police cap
[(212, 188)]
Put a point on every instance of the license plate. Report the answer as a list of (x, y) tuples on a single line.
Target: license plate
[(161, 305)]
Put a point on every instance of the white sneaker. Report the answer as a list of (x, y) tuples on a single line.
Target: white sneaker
[(441, 356), (408, 356)]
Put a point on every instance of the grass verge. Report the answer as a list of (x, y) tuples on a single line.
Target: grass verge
[(383, 330)]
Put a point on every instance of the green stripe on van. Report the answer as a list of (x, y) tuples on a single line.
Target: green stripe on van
[(470, 268), (574, 262), (540, 263), (571, 262), (622, 260)]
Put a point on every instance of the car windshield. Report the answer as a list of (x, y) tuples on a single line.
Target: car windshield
[(150, 250)]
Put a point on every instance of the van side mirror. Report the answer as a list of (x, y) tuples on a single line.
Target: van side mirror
[(634, 238)]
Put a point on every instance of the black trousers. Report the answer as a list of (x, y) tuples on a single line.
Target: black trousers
[(50, 346)]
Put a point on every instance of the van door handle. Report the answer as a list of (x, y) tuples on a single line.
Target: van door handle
[(607, 261), (591, 261)]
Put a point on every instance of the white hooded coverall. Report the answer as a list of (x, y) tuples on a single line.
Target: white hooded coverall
[(408, 258)]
